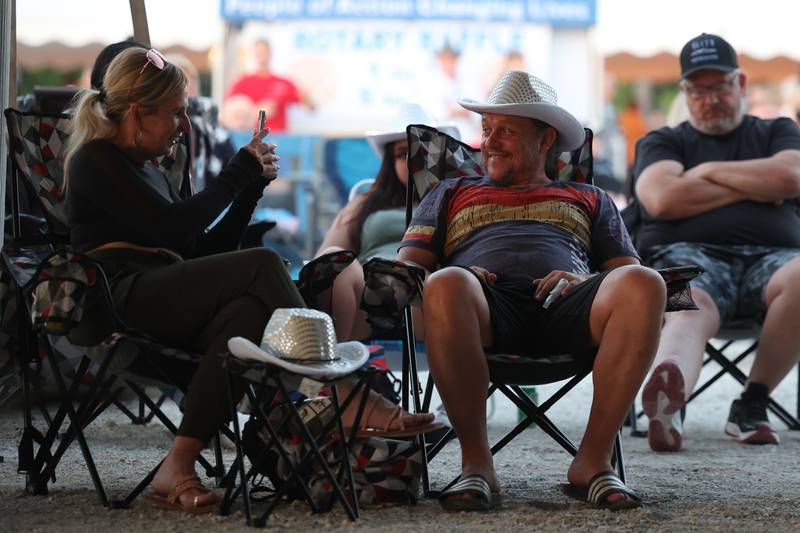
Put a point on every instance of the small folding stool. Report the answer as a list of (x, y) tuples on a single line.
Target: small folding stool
[(279, 378)]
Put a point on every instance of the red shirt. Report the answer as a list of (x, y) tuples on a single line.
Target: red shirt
[(279, 92)]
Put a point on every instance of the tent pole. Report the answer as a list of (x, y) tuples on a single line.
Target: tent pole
[(8, 89), (141, 32)]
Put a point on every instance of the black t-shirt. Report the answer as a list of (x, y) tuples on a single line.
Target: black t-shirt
[(111, 198), (745, 222)]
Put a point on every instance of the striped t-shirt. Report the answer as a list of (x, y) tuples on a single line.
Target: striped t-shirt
[(519, 233)]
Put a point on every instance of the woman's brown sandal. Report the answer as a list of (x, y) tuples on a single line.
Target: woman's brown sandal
[(172, 500), (365, 429)]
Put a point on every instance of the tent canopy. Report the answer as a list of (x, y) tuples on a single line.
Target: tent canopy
[(665, 68)]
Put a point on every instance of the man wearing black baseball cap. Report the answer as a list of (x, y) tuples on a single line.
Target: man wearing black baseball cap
[(720, 191)]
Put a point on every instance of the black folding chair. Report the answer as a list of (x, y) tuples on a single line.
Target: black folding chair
[(434, 156), (723, 355), (728, 359), (36, 156)]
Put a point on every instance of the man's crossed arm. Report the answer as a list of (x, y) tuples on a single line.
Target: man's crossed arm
[(669, 192)]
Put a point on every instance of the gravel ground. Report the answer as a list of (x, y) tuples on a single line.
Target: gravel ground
[(714, 484)]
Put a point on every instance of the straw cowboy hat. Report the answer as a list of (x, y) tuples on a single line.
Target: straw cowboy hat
[(302, 341), (524, 95), (408, 114)]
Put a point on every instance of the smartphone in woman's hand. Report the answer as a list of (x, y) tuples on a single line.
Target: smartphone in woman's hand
[(262, 120)]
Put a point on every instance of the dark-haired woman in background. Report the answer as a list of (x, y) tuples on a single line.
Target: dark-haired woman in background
[(373, 223)]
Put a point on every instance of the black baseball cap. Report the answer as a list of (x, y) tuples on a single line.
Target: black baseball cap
[(707, 51)]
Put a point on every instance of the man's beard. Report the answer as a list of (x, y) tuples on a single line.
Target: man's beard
[(719, 126)]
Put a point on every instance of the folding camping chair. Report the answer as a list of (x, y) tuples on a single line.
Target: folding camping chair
[(724, 354), (36, 144), (434, 156), (728, 360), (742, 331), (57, 294), (37, 141)]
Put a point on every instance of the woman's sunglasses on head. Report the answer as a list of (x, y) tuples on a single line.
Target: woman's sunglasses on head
[(155, 58)]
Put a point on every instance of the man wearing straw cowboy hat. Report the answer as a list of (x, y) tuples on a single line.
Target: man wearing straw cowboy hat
[(504, 243)]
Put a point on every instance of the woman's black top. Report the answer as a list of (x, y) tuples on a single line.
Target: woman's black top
[(112, 198)]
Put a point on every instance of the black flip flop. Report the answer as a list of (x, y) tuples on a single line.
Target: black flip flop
[(481, 496), (600, 487)]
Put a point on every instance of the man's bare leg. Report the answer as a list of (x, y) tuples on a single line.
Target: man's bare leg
[(625, 322), (676, 370), (457, 328), (684, 337), (779, 343)]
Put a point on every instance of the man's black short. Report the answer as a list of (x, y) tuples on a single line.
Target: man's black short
[(520, 326)]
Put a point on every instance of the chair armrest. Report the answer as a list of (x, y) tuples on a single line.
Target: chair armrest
[(679, 294), (389, 286)]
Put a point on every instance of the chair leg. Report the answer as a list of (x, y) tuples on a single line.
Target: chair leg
[(125, 503), (346, 450), (30, 434), (239, 462), (426, 402), (77, 423), (415, 391), (618, 456), (161, 399), (219, 468), (633, 421), (730, 366)]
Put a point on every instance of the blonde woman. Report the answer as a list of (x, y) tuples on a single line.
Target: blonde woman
[(170, 277)]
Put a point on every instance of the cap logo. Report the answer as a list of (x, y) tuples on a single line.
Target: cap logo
[(704, 49)]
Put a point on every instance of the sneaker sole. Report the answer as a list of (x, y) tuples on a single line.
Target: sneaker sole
[(762, 435), (662, 397)]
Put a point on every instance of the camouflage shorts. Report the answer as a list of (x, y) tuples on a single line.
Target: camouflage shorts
[(735, 277)]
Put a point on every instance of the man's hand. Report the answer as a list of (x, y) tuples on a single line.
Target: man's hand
[(488, 278), (545, 285)]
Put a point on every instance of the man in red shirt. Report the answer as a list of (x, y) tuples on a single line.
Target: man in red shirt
[(268, 91)]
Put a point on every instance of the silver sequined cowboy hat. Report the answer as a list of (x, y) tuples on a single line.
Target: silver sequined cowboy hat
[(302, 341), (524, 95), (408, 114)]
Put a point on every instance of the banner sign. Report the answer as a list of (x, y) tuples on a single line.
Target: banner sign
[(358, 73), (559, 13)]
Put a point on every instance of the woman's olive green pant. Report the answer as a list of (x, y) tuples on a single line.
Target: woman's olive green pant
[(198, 305)]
